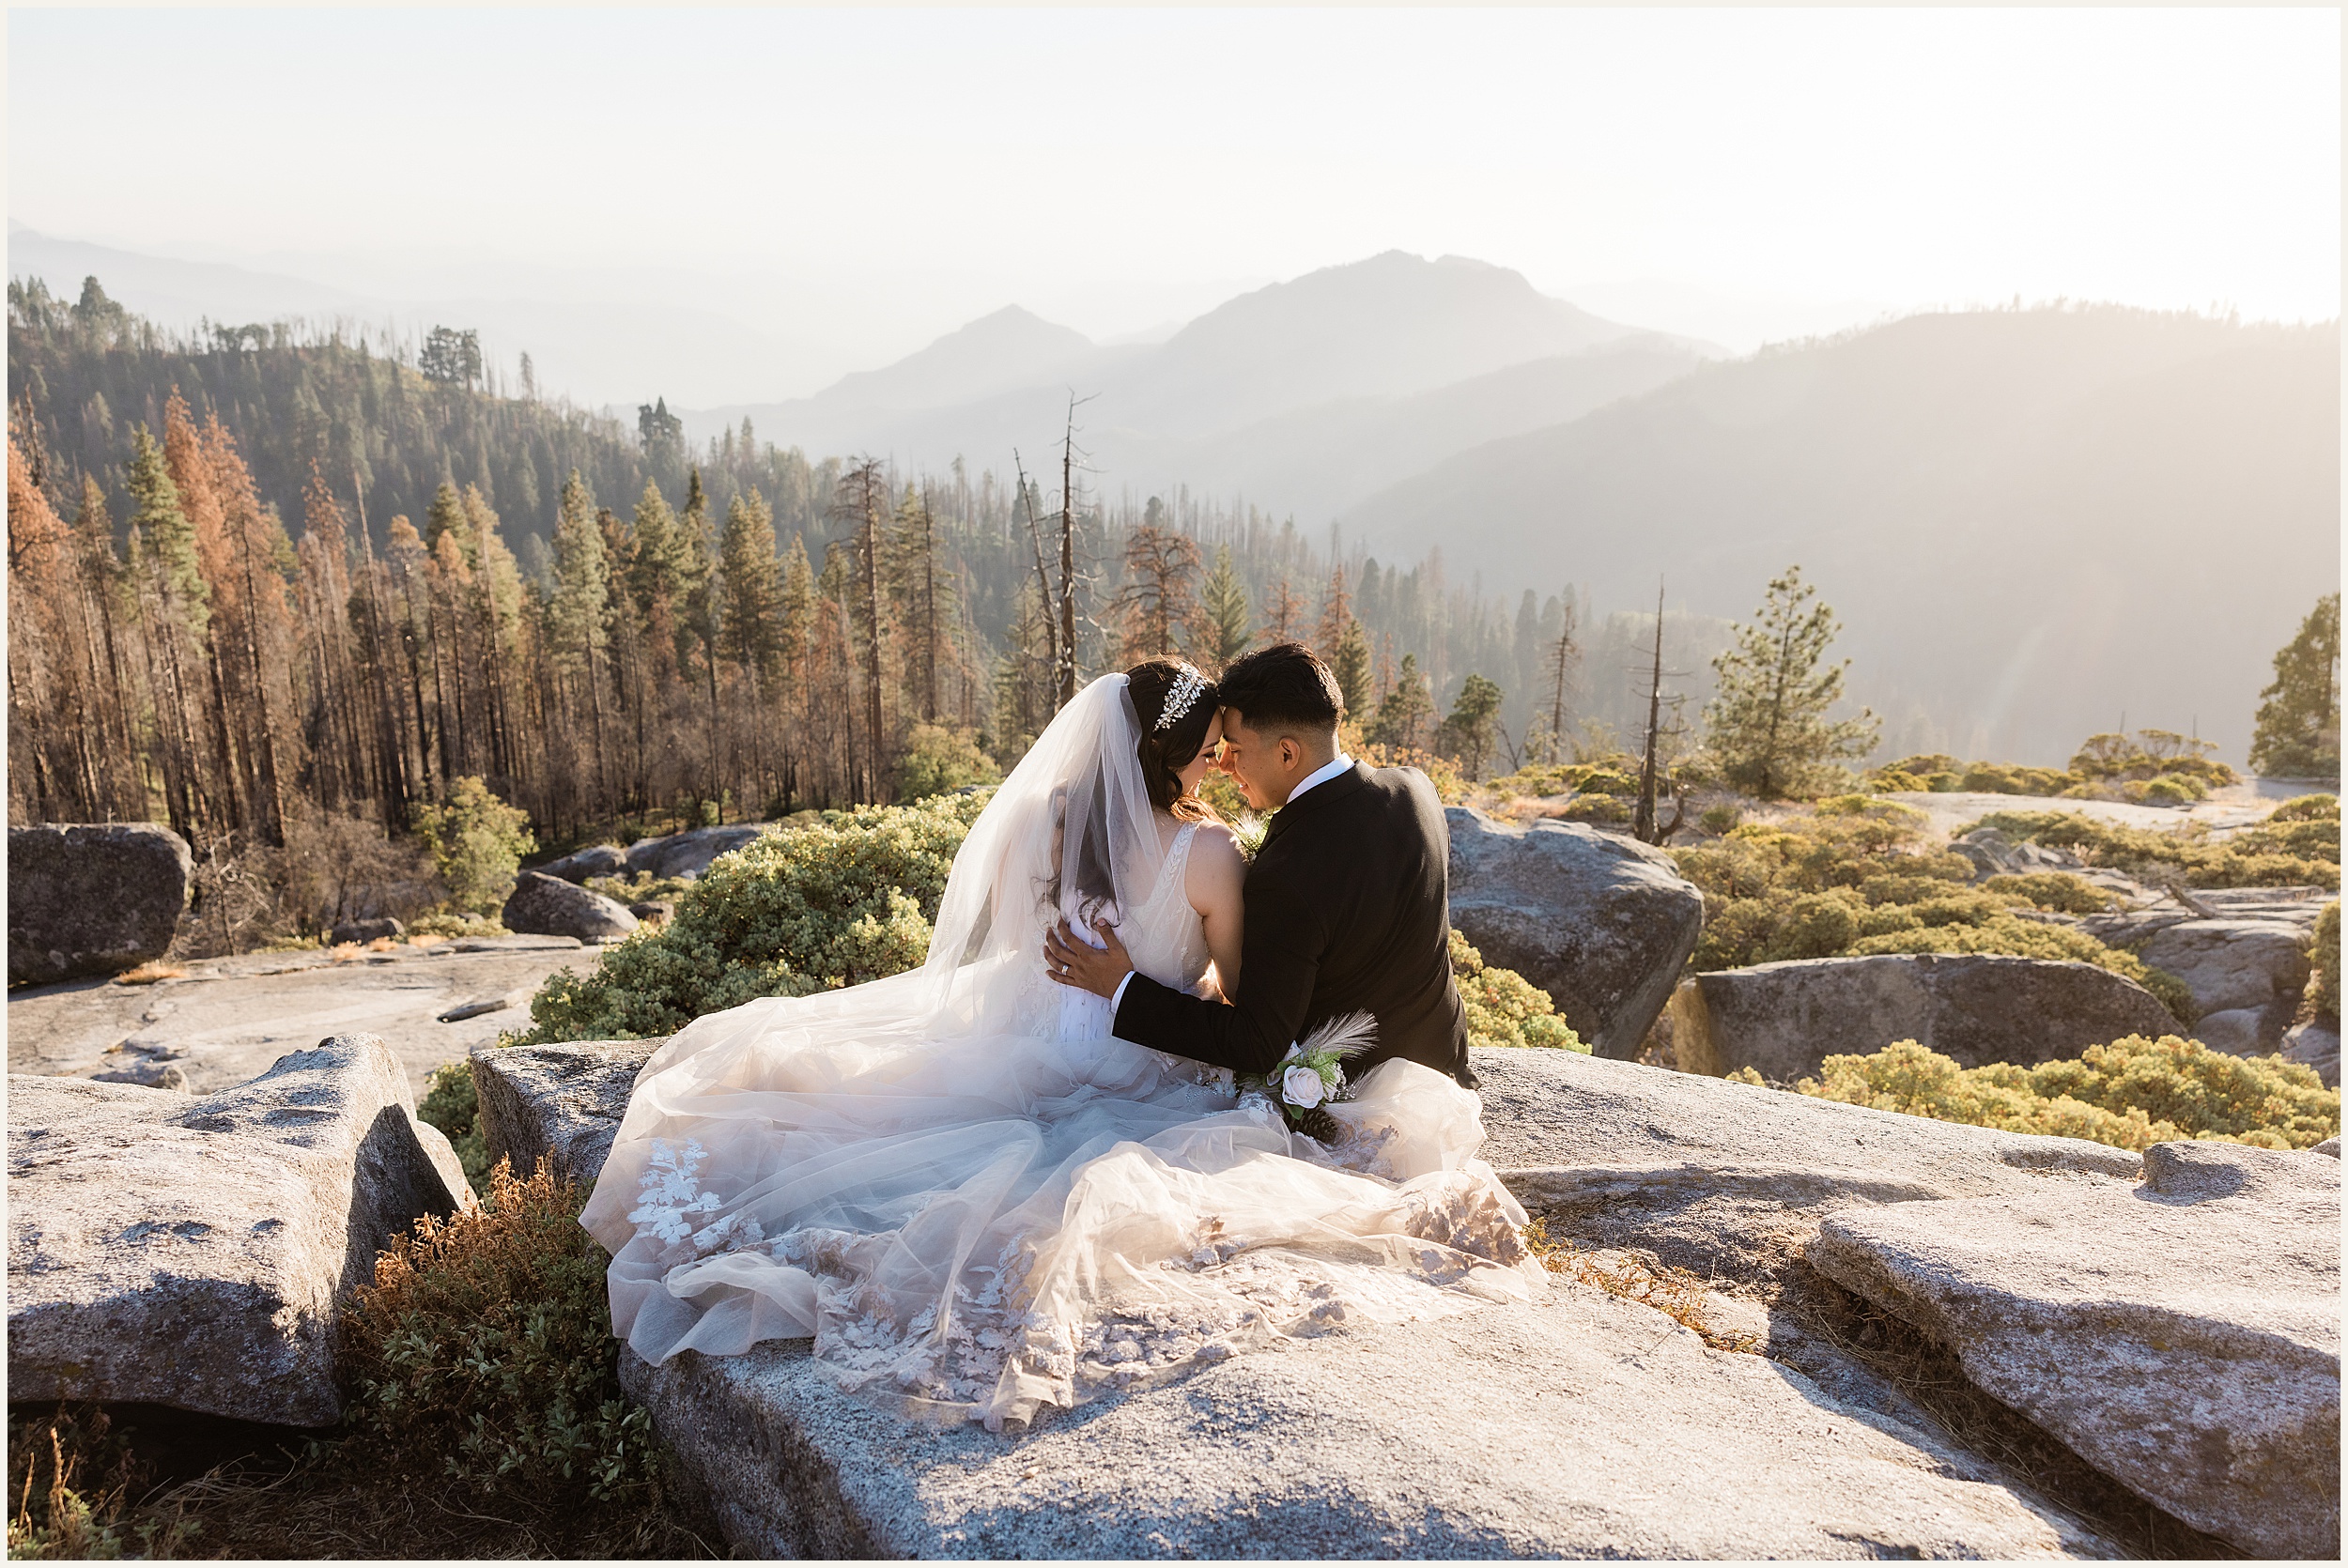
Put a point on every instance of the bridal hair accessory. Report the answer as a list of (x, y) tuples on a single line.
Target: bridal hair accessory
[(1310, 1075), (1180, 698)]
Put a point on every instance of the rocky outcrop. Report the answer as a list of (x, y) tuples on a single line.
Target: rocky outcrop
[(1730, 1180), (194, 1254), (597, 860), (1781, 1020), (2182, 1336), (1602, 923), (93, 900), (366, 930), (688, 854), (548, 906), (2316, 1044), (2245, 976), (563, 1101), (1579, 1425)]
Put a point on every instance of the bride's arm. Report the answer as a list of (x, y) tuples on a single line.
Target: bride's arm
[(1213, 881)]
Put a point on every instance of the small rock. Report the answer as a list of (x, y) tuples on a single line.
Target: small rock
[(1601, 922), (2245, 976), (688, 854), (366, 930), (463, 1010), (548, 906), (597, 860), (1783, 1019), (2182, 1336), (93, 900), (196, 1253), (564, 1100), (2316, 1044)]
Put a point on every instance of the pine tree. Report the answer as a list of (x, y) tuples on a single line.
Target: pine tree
[(1351, 666), (1403, 711), (1470, 729), (1768, 721), (2298, 717), (750, 624), (1337, 613), (1157, 603), (1284, 612), (1223, 623)]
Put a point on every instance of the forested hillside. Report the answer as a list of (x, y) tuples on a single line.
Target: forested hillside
[(264, 580)]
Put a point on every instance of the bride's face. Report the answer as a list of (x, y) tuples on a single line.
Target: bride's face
[(1196, 768)]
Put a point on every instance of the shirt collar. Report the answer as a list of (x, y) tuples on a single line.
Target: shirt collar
[(1322, 775)]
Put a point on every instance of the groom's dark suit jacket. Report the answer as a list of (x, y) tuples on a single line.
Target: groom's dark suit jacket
[(1347, 911)]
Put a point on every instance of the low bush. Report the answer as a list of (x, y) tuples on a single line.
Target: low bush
[(2295, 852), (938, 760), (2132, 1094), (451, 1103), (1506, 1008), (2059, 891), (1858, 878), (483, 1352), (2323, 985), (812, 908)]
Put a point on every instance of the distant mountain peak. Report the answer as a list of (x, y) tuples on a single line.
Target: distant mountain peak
[(1009, 347)]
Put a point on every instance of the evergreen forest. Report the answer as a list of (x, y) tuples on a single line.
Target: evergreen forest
[(270, 572)]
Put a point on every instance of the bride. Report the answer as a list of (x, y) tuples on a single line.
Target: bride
[(978, 1203)]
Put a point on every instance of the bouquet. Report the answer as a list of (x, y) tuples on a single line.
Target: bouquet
[(1311, 1074)]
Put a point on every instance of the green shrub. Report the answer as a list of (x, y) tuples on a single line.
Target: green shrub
[(476, 842), (938, 760), (813, 908), (1719, 819), (2297, 852), (1856, 879), (1504, 1007), (638, 887), (2323, 987), (482, 1351), (451, 1103), (2307, 808), (2059, 891), (2132, 1093)]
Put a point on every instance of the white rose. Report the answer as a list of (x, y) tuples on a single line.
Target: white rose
[(1302, 1087)]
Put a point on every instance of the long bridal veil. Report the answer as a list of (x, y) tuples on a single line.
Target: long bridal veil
[(974, 1200)]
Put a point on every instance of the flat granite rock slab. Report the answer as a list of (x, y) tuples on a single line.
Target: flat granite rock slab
[(1711, 1175), (194, 1252), (2182, 1336), (230, 1017), (1578, 1425)]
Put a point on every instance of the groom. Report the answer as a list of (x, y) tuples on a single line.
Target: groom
[(1346, 902)]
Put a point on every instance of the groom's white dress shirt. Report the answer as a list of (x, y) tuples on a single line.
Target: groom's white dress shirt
[(1322, 775)]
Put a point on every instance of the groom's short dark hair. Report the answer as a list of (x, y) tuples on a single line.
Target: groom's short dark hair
[(1284, 687)]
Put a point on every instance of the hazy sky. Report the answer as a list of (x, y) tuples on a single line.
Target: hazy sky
[(1747, 173)]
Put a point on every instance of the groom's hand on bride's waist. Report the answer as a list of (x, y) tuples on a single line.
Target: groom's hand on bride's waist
[(1073, 961)]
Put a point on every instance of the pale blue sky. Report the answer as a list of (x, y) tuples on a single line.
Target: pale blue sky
[(1114, 168)]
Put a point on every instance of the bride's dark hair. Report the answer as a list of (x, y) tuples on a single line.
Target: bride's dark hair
[(1165, 753)]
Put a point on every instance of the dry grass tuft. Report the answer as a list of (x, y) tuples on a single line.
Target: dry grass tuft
[(150, 974), (1676, 1293)]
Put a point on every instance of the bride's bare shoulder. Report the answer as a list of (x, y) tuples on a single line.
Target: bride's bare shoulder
[(1214, 849)]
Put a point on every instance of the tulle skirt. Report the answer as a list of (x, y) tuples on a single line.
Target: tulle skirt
[(974, 1227)]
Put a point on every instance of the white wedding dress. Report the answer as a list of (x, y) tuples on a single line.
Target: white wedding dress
[(978, 1203)]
